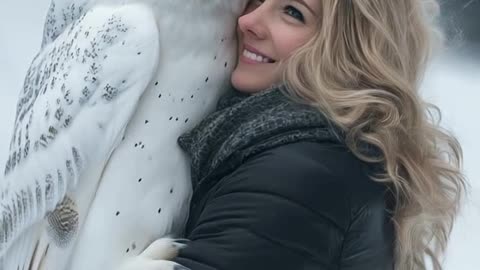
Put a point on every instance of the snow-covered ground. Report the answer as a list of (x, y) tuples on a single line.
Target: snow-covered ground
[(452, 82)]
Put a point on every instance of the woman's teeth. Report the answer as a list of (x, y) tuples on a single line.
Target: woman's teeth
[(256, 57)]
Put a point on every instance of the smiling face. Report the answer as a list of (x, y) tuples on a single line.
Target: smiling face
[(270, 31)]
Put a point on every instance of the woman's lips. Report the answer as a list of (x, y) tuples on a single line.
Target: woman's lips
[(247, 49)]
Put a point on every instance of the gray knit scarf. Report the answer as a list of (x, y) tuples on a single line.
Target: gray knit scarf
[(244, 125)]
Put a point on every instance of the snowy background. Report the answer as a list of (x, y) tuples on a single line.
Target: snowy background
[(452, 82)]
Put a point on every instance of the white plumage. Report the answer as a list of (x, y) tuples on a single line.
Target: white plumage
[(94, 173)]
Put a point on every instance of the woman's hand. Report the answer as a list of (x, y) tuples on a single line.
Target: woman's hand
[(156, 257)]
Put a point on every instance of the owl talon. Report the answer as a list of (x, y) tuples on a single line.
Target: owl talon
[(180, 267), (143, 263), (182, 241), (162, 249)]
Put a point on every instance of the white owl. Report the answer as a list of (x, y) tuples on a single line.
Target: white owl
[(94, 174)]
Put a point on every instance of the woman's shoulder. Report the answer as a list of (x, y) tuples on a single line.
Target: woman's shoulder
[(325, 177)]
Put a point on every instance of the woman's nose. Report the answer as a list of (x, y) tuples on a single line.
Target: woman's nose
[(253, 23)]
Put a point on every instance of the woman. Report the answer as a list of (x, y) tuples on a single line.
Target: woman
[(324, 156)]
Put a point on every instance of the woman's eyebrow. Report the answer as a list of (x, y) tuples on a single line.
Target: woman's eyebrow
[(307, 6)]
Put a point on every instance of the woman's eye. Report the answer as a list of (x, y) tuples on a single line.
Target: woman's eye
[(294, 13)]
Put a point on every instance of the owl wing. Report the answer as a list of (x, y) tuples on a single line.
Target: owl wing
[(78, 97), (62, 14)]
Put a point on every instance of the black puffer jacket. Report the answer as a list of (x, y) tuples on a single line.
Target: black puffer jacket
[(301, 204)]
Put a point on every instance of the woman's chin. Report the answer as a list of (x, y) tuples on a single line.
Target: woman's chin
[(249, 83)]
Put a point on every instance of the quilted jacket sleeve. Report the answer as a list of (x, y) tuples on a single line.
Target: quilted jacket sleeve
[(299, 206)]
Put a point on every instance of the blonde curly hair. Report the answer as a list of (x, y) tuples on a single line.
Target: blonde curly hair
[(363, 69)]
